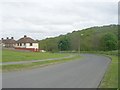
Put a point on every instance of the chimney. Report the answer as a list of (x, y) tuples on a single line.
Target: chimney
[(12, 37), (25, 36), (7, 38)]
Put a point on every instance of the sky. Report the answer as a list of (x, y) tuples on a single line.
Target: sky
[(41, 19)]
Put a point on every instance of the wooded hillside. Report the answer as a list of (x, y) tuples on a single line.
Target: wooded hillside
[(94, 38)]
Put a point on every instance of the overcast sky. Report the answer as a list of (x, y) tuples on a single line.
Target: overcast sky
[(40, 19)]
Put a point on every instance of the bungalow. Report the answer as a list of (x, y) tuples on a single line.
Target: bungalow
[(27, 43)]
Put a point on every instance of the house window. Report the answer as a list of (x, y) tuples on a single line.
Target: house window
[(20, 44), (24, 44), (30, 44)]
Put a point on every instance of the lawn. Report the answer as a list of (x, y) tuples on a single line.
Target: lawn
[(14, 56), (19, 67), (11, 56), (110, 79)]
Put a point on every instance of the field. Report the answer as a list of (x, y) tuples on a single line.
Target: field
[(15, 56)]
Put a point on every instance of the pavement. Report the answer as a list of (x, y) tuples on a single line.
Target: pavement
[(86, 72)]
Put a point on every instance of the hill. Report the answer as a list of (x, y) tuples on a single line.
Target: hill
[(86, 39)]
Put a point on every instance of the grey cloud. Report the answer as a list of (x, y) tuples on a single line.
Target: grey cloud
[(54, 17)]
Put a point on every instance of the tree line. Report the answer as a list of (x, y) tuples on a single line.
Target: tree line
[(104, 38)]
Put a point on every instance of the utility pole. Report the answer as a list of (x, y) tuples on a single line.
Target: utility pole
[(79, 46), (79, 43)]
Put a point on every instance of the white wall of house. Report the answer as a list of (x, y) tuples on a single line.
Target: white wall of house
[(22, 46), (3, 45), (8, 45), (34, 45), (27, 45)]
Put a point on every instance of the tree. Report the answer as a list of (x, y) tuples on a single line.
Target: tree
[(64, 44), (109, 42)]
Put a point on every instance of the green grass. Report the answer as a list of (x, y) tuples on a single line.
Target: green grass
[(110, 79), (19, 67), (0, 59), (14, 56), (115, 52)]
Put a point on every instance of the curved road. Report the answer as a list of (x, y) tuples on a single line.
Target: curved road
[(84, 73)]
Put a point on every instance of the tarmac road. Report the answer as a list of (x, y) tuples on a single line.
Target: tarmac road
[(86, 72)]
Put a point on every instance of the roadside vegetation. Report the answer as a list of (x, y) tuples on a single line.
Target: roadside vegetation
[(15, 56), (113, 53), (110, 79), (19, 67)]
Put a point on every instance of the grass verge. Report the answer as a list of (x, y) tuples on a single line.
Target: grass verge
[(19, 67), (15, 56), (110, 79)]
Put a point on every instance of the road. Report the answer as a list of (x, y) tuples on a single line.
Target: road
[(84, 73)]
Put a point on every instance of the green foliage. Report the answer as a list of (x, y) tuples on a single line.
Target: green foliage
[(111, 77), (64, 44), (109, 42), (49, 44), (92, 40)]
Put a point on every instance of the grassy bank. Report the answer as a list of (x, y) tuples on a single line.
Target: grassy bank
[(11, 56), (19, 67), (110, 79), (115, 52)]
